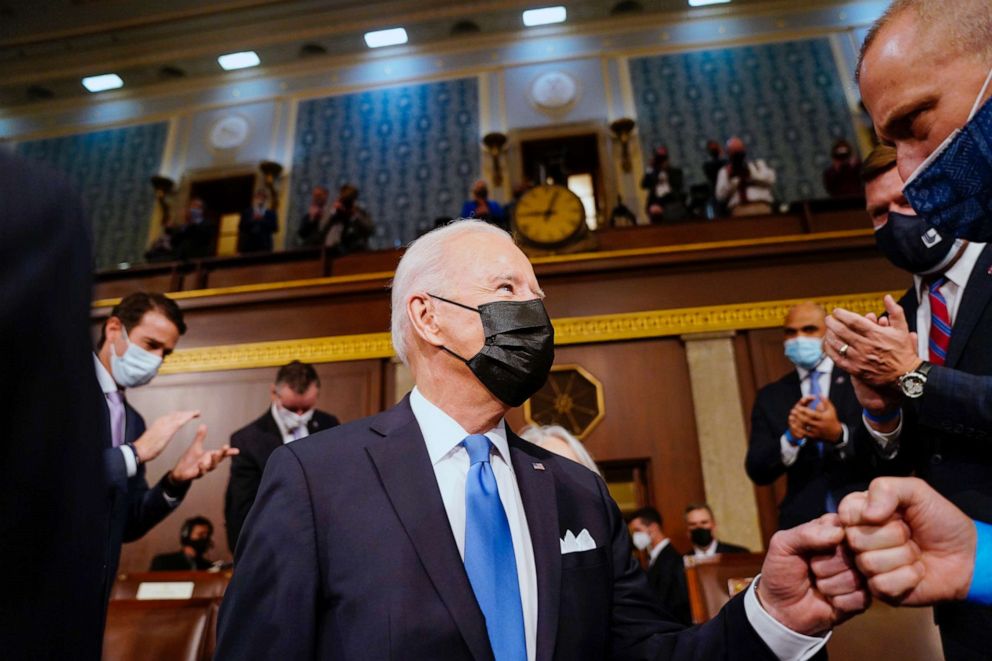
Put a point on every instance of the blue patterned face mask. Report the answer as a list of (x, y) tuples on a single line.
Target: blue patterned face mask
[(952, 188)]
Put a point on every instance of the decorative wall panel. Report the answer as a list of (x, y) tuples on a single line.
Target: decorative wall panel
[(786, 100)]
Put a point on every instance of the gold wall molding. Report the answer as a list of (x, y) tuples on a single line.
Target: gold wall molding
[(568, 330)]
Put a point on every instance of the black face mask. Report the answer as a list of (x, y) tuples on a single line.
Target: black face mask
[(701, 537), (908, 243), (200, 546), (519, 348)]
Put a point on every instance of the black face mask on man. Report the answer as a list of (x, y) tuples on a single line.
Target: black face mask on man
[(200, 546), (908, 243), (701, 537), (519, 348)]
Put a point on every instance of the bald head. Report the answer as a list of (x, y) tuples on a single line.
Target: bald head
[(922, 66), (806, 319)]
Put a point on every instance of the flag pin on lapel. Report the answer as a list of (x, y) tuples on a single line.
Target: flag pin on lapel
[(538, 466)]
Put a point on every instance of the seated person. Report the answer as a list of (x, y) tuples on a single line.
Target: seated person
[(665, 187), (745, 186), (343, 227), (842, 178), (666, 570), (481, 207), (258, 224), (196, 537), (701, 523), (558, 440)]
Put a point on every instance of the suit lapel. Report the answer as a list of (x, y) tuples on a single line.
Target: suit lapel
[(537, 491), (977, 295), (407, 476)]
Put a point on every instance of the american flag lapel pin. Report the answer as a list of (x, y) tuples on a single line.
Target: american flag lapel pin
[(989, 272), (538, 466)]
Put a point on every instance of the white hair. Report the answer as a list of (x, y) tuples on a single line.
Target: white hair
[(539, 436), (423, 269)]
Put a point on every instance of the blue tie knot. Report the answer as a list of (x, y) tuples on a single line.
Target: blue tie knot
[(478, 448)]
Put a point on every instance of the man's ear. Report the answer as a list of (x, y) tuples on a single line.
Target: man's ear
[(421, 312), (112, 327)]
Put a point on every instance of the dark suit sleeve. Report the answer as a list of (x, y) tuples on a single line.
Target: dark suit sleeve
[(147, 506), (672, 588), (640, 631), (158, 563), (271, 222), (253, 622), (246, 474), (115, 468), (764, 453), (957, 402)]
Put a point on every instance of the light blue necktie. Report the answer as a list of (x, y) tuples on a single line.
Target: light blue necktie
[(830, 504), (489, 560)]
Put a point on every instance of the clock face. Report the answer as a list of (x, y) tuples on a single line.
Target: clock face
[(549, 215), (229, 132)]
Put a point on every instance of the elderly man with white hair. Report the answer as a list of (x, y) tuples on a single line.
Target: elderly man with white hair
[(431, 531), (559, 440)]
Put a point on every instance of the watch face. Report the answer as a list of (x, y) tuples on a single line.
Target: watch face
[(549, 215), (912, 384)]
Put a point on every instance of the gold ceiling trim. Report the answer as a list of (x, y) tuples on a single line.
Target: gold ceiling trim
[(568, 330), (549, 259)]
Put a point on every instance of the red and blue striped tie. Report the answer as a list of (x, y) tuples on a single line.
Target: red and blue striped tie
[(940, 323)]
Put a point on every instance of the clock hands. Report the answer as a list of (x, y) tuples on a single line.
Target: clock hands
[(551, 205)]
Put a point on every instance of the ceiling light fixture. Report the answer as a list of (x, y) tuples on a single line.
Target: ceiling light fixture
[(242, 60), (103, 82), (544, 16), (703, 3), (390, 37)]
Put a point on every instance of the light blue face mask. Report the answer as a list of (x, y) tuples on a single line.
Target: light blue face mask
[(952, 188), (136, 367), (805, 352)]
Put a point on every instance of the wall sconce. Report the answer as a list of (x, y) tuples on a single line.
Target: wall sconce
[(494, 143), (270, 174), (163, 188), (622, 129)]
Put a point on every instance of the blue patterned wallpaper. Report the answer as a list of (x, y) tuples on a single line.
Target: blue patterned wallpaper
[(110, 170), (413, 152), (785, 100)]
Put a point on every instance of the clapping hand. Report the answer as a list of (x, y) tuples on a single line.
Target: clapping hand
[(196, 461)]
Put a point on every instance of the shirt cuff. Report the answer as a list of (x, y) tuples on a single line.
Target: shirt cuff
[(789, 451), (130, 462), (888, 442), (980, 591), (785, 644)]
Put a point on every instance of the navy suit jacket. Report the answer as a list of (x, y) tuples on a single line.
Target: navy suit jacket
[(255, 443), (947, 433), (839, 471), (256, 235), (348, 554), (135, 508), (52, 506)]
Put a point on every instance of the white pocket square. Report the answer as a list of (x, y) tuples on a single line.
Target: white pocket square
[(572, 543)]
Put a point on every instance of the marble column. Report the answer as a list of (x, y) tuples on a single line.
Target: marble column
[(722, 433)]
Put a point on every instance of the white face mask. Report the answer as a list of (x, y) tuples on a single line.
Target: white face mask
[(293, 420), (136, 367), (641, 540)]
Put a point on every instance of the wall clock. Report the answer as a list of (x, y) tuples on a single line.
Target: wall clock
[(229, 132), (554, 91), (549, 217)]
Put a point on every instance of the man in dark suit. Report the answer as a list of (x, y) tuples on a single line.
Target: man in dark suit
[(292, 415), (701, 524), (803, 426), (142, 330), (666, 570), (432, 531), (925, 400), (666, 189), (196, 538), (51, 502), (257, 225)]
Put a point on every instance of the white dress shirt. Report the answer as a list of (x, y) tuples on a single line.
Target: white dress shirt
[(825, 370), (707, 552), (108, 385), (952, 291), (443, 437), (449, 457), (759, 189), (656, 551)]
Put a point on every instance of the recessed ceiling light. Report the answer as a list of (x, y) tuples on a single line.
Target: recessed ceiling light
[(242, 60), (107, 81), (390, 37), (544, 16), (703, 3)]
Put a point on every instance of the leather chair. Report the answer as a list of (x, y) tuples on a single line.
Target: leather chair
[(159, 630), (206, 585), (713, 581)]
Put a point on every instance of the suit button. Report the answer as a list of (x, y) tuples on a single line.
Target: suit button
[(936, 459)]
